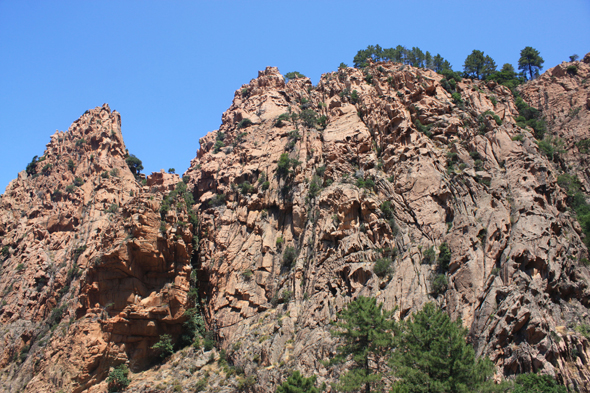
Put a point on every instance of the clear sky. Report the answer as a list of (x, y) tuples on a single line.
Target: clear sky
[(171, 67)]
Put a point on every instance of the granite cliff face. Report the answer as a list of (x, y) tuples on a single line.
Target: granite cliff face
[(297, 195), (89, 280)]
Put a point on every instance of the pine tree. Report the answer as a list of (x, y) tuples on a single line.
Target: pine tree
[(366, 332), (297, 383), (479, 66), (432, 356), (530, 61)]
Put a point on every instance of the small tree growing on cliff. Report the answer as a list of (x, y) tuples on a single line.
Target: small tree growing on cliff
[(164, 346), (297, 383), (366, 332), (135, 165), (117, 380), (530, 60), (432, 356)]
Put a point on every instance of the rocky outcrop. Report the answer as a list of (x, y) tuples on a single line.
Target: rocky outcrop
[(296, 197), (452, 173), (93, 275), (563, 95)]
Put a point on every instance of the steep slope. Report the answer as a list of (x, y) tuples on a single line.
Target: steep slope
[(514, 276), (89, 277), (563, 95), (389, 181)]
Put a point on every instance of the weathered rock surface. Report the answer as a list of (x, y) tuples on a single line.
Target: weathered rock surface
[(563, 94), (450, 170), (91, 280), (514, 275)]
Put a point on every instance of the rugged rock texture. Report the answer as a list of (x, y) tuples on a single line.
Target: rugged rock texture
[(90, 279), (563, 95), (514, 276), (293, 213)]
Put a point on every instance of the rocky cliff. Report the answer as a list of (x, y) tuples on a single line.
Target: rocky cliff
[(306, 197)]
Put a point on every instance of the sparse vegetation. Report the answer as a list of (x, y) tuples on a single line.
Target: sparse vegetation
[(383, 267), (164, 346), (118, 378), (244, 123), (217, 200), (289, 256), (294, 75)]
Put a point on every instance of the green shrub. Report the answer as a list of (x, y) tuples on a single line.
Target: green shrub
[(281, 119), (551, 147), (218, 146), (422, 128), (80, 142), (309, 118), (315, 186), (494, 100), (244, 123), (20, 267), (113, 208), (217, 200), (247, 274), (70, 188), (283, 165), (444, 257), (247, 188), (287, 296), (245, 383), (280, 241), (164, 346), (572, 70), (382, 267), (294, 75), (387, 210), (531, 117), (456, 98), (289, 256), (518, 137), (208, 341), (104, 175), (78, 181), (584, 146), (32, 166), (56, 315), (118, 379), (114, 172), (527, 383), (77, 252), (354, 97), (71, 165), (438, 285), (296, 383), (323, 122), (46, 169), (365, 183), (428, 256), (584, 330)]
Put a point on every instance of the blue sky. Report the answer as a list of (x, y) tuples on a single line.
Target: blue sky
[(171, 67)]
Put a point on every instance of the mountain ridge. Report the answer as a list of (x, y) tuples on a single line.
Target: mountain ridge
[(309, 169)]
